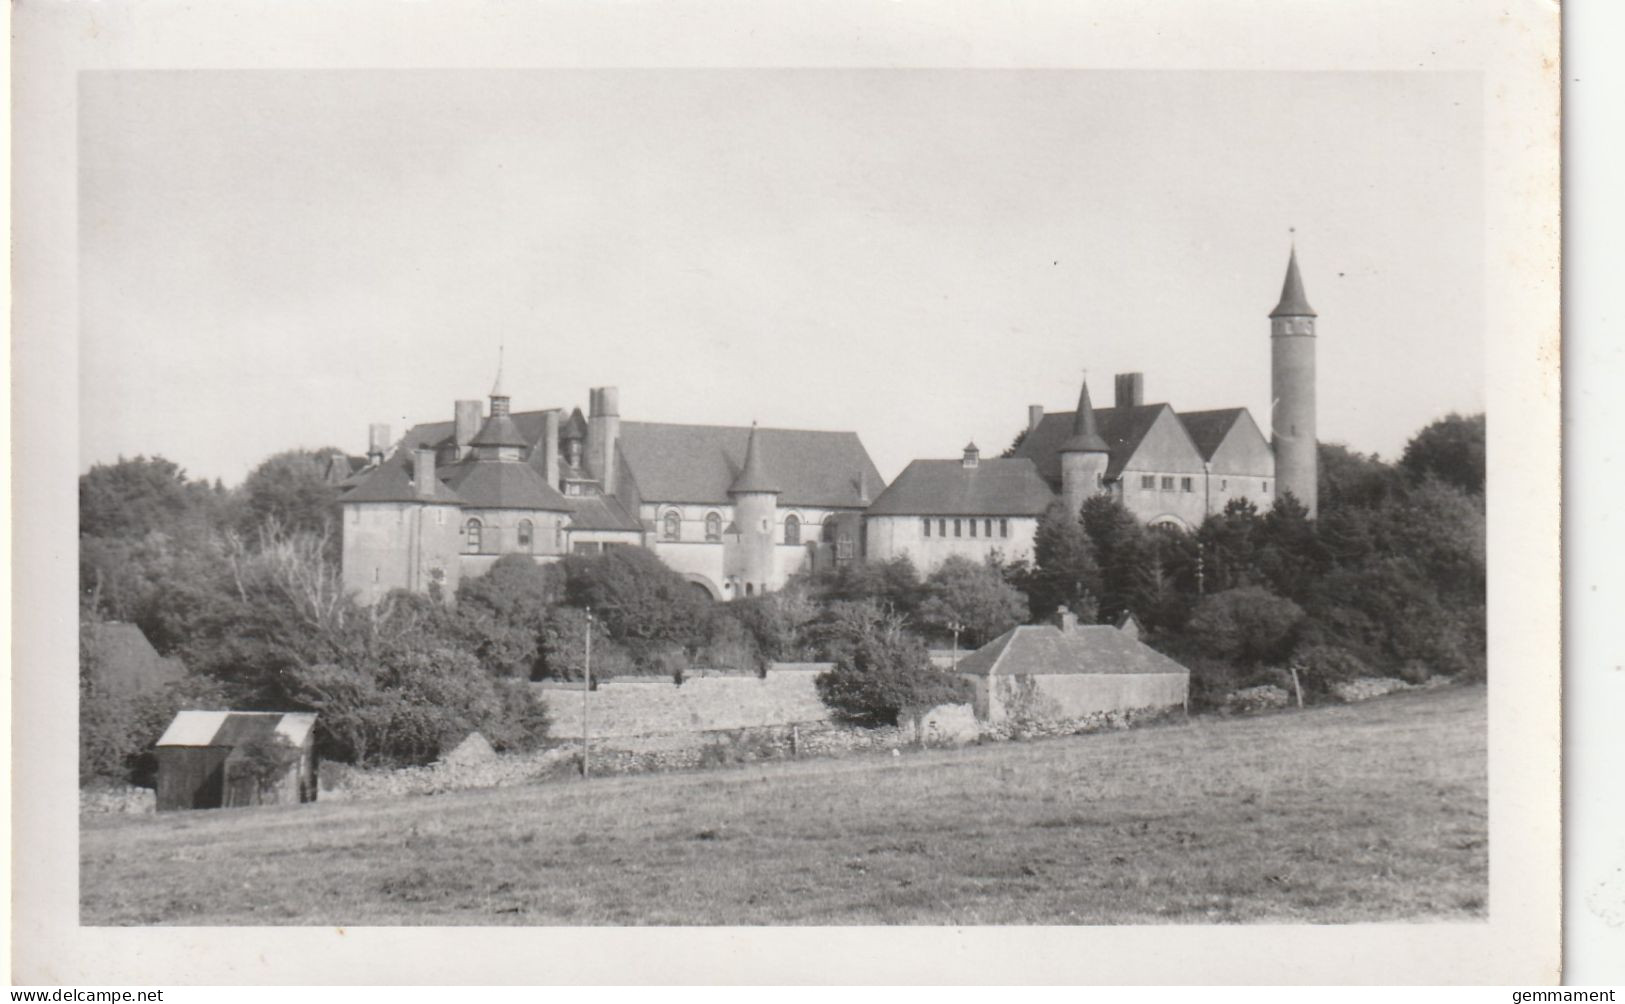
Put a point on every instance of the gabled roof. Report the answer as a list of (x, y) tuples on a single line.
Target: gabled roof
[(698, 463), (502, 484), (997, 487), (1293, 302), (600, 512), (1208, 428), (1044, 649), (238, 728), (125, 659), (1121, 428), (392, 482)]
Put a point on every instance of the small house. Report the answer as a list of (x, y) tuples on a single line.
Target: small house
[(227, 759), (1064, 670)]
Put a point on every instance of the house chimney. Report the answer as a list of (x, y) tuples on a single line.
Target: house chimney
[(1130, 390), (469, 417), (1035, 414), (603, 433), (550, 448), (863, 485), (377, 442), (1066, 620), (423, 477)]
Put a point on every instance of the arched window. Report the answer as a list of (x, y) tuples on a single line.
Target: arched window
[(750, 589), (524, 535), (792, 529), (671, 526), (471, 537), (713, 526)]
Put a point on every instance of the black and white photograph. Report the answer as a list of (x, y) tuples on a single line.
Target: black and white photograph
[(753, 496)]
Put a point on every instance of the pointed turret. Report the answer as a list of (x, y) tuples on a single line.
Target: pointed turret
[(1293, 302), (499, 438), (1085, 433), (753, 477)]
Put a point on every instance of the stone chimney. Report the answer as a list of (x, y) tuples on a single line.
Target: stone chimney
[(377, 442), (1130, 390), (423, 476), (550, 449), (1035, 414), (469, 418), (603, 433), (1066, 620)]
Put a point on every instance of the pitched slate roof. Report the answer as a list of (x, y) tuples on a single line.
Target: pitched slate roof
[(698, 463), (1044, 649), (1293, 302), (392, 482), (501, 430), (600, 512), (1208, 428), (502, 484), (1085, 436), (998, 487), (1121, 428), (126, 661), (237, 728)]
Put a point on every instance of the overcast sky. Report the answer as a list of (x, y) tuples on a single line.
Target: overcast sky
[(275, 259)]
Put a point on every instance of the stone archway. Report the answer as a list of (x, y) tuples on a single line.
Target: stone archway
[(703, 584)]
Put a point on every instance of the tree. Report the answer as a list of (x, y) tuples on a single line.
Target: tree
[(132, 498), (638, 598), (502, 614), (1451, 450), (1064, 572), (1287, 551), (884, 671), (291, 490), (1015, 444), (1349, 479), (1229, 553), (1133, 579), (974, 596), (894, 583), (1247, 626)]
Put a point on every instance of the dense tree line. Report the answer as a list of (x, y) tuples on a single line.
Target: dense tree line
[(243, 586)]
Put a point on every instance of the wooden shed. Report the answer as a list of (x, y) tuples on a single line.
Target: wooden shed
[(224, 759)]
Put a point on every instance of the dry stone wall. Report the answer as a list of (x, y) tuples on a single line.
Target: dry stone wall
[(657, 706)]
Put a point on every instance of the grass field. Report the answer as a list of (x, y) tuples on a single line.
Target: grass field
[(1358, 813)]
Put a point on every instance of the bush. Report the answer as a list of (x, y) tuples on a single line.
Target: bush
[(884, 671), (1322, 666), (1247, 626), (638, 598)]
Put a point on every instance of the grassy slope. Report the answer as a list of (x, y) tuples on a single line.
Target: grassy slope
[(1365, 812)]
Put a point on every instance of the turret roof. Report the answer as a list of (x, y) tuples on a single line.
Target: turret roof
[(1085, 436), (1293, 302), (753, 476)]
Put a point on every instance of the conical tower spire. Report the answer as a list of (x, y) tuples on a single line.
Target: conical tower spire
[(497, 393), (753, 477), (1085, 433), (1293, 302)]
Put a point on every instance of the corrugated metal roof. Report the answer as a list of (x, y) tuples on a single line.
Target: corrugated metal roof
[(1044, 649), (237, 728), (998, 487)]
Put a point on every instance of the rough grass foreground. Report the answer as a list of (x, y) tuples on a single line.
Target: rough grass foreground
[(1356, 813)]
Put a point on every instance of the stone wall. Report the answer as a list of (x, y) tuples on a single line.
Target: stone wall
[(642, 706)]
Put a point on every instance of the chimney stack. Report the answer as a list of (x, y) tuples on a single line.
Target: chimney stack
[(469, 417), (550, 449), (423, 476), (1035, 414), (377, 442), (1130, 390), (1066, 620)]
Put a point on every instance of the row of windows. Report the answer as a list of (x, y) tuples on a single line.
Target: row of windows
[(474, 536), (671, 527), (1148, 483), (960, 524)]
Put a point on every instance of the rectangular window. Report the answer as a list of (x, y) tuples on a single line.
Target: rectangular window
[(1167, 484), (942, 528), (927, 527), (957, 528), (973, 528), (1186, 485), (843, 549), (1004, 528), (1224, 485), (1148, 482), (988, 526)]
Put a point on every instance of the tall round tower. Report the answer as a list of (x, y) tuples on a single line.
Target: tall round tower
[(1292, 385), (1084, 456)]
